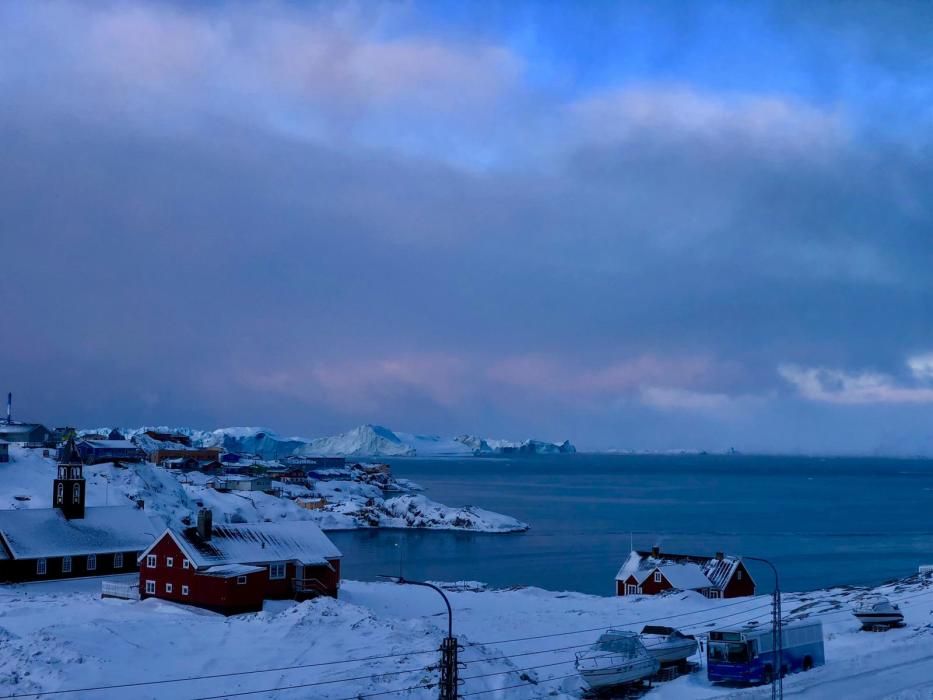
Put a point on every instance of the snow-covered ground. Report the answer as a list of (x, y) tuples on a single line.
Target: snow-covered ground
[(380, 639), (26, 482)]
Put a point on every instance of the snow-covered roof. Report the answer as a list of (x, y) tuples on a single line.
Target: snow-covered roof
[(111, 444), (685, 577), (229, 570), (720, 571), (35, 533), (18, 428), (252, 543), (717, 571)]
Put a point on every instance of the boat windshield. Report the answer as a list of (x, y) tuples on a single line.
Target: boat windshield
[(736, 653), (618, 643)]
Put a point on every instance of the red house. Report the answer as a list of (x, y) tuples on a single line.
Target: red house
[(233, 568), (650, 573)]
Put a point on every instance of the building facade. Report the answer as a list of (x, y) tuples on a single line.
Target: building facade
[(650, 573)]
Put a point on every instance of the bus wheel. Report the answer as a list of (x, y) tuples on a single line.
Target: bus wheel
[(768, 675), (807, 663)]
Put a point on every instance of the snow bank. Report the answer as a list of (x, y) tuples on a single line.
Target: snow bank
[(382, 638)]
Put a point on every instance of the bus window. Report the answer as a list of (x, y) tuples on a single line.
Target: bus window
[(731, 653)]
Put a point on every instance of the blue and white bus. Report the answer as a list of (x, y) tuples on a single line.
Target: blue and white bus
[(746, 654)]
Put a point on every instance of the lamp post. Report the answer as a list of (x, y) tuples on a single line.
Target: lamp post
[(449, 666), (777, 633)]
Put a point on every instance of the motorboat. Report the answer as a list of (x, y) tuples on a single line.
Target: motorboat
[(618, 658), (878, 611), (667, 645)]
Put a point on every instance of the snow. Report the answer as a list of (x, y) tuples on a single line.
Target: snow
[(44, 532), (176, 498), (303, 542), (228, 570), (383, 637), (685, 577), (362, 441)]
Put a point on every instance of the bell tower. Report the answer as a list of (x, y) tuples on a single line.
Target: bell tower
[(69, 487)]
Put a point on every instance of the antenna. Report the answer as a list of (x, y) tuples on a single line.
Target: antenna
[(9, 408)]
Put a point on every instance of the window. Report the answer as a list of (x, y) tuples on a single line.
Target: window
[(630, 588), (91, 562), (150, 587), (186, 564), (738, 575), (151, 561), (657, 577), (60, 493), (170, 562), (713, 593), (184, 590), (277, 571), (76, 494), (118, 560), (66, 565), (240, 580), (40, 567), (168, 588)]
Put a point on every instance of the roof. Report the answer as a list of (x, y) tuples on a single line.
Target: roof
[(230, 570), (111, 444), (19, 428), (717, 571), (252, 543), (685, 577), (34, 533)]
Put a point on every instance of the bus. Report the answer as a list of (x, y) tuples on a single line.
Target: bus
[(746, 654)]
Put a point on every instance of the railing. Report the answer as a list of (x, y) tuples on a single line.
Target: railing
[(124, 591), (309, 586)]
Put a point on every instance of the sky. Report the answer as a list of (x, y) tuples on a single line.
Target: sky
[(638, 225)]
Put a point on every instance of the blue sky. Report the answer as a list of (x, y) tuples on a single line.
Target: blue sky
[(644, 225)]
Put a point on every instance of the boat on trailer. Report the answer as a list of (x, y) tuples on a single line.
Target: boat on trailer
[(667, 645), (618, 658), (878, 612)]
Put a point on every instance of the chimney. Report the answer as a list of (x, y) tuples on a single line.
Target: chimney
[(720, 556), (140, 503), (656, 551), (205, 524), (9, 407)]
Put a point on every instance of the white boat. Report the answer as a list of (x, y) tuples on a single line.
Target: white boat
[(617, 658), (878, 611), (668, 645)]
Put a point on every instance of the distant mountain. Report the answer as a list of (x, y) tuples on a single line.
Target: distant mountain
[(363, 441)]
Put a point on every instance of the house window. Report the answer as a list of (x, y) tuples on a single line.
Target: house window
[(240, 580), (630, 588), (118, 560), (168, 588), (170, 562), (150, 587), (151, 561), (60, 493), (186, 564), (738, 575), (713, 593), (40, 567), (184, 590), (277, 571), (66, 565), (76, 494), (91, 562), (657, 577)]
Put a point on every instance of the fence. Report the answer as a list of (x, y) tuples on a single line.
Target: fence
[(117, 589)]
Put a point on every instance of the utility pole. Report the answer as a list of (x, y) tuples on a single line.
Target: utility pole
[(777, 633), (450, 666)]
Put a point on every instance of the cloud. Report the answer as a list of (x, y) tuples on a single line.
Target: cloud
[(668, 398), (836, 386), (921, 366)]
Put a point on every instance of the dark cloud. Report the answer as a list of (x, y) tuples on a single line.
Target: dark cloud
[(631, 268)]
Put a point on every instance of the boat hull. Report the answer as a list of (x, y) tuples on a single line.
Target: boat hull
[(624, 674), (887, 618), (671, 652)]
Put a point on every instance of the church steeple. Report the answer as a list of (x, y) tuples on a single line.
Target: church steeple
[(68, 490)]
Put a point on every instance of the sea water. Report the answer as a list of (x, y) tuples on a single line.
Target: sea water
[(822, 521)]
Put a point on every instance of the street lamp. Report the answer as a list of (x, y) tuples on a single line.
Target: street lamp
[(777, 633), (449, 666)]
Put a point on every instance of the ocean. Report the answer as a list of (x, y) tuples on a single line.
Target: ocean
[(822, 521)]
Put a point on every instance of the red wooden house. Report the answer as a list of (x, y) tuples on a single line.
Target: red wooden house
[(233, 568), (650, 573)]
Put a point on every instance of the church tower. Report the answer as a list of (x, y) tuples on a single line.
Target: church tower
[(68, 491)]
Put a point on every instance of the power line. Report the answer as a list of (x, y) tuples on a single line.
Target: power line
[(516, 685)]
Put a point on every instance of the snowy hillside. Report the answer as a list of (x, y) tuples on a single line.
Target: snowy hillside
[(26, 482), (381, 638), (363, 441)]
